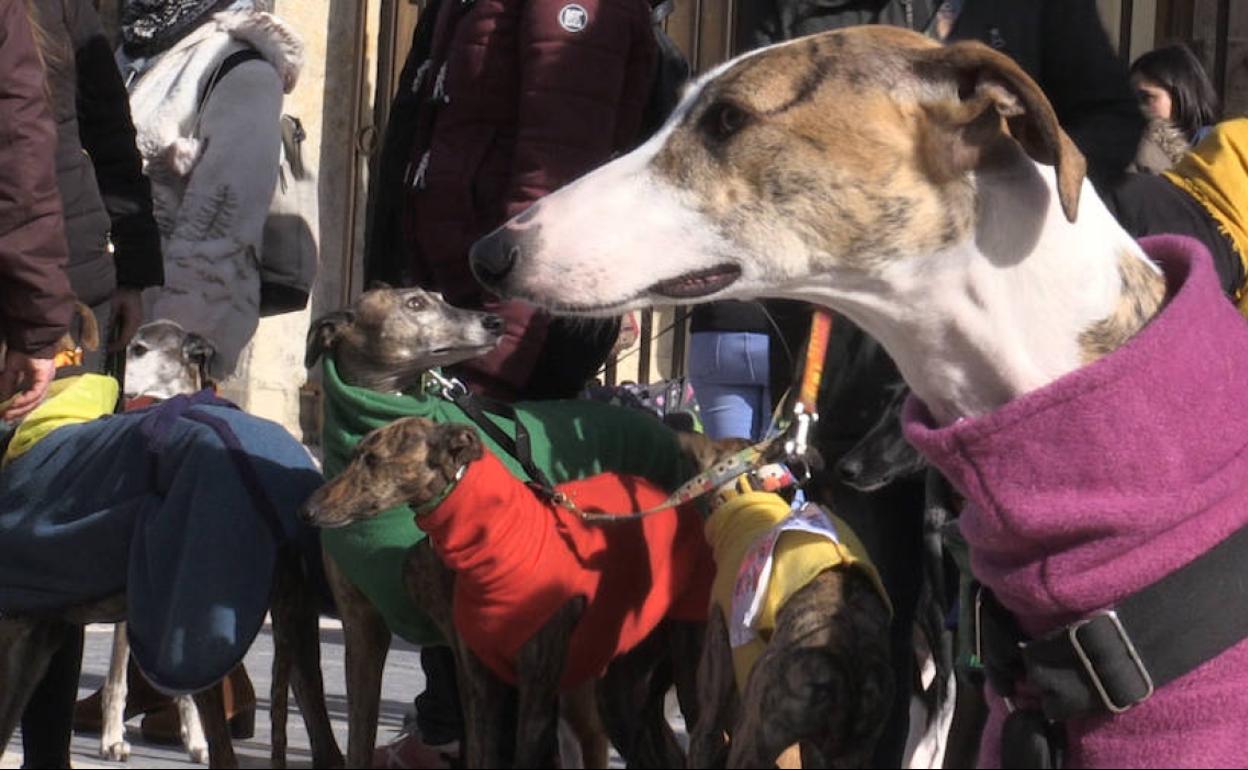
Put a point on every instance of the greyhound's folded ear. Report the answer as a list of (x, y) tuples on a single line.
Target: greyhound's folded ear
[(376, 285), (457, 445), (323, 332), (199, 351), (992, 87)]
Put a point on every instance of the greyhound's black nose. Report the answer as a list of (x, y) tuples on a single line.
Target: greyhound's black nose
[(493, 324), (493, 257), (850, 469)]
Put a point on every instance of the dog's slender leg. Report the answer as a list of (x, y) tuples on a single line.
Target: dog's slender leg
[(113, 745), (687, 640), (539, 668), (26, 650), (824, 679), (579, 709), (483, 696), (211, 705), (367, 641), (296, 637), (192, 730), (279, 689), (717, 697), (632, 701)]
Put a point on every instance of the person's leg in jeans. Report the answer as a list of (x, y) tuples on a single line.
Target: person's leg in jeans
[(729, 372), (47, 723)]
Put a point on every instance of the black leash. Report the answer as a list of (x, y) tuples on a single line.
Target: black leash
[(478, 409)]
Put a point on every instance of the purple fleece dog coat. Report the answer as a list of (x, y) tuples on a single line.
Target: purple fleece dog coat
[(1089, 489)]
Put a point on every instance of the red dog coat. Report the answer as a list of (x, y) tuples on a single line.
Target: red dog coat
[(518, 560)]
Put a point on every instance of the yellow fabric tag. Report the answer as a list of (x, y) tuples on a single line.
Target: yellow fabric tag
[(70, 401)]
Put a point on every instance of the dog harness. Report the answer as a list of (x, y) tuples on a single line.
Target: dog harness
[(569, 440), (518, 558), (765, 552), (1105, 512)]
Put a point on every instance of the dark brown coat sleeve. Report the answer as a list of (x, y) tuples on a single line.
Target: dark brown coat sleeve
[(35, 299)]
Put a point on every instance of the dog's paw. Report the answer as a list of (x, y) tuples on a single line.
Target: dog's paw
[(118, 751), (195, 742), (198, 754)]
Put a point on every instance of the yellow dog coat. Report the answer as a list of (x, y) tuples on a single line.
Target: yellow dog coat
[(70, 401), (740, 533)]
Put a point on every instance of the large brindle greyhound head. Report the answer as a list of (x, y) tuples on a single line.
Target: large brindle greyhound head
[(827, 156), (909, 185), (411, 461)]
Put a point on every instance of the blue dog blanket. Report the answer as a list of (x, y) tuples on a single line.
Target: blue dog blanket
[(182, 506)]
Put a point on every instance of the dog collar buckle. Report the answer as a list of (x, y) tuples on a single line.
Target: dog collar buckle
[(447, 387)]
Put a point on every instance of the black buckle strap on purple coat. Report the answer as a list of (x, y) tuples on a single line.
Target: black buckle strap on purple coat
[(158, 424), (1115, 659)]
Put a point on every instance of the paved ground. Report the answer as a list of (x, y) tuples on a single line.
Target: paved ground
[(402, 681)]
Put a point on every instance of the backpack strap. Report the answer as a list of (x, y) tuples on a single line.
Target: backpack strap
[(227, 64)]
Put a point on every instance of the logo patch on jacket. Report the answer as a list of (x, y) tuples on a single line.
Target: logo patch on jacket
[(573, 17)]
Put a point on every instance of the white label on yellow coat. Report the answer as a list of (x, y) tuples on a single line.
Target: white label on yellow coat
[(754, 577)]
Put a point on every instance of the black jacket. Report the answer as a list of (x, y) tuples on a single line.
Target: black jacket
[(99, 169), (1063, 46), (763, 22)]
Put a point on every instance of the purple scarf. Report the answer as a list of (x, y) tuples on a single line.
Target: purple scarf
[(1085, 491)]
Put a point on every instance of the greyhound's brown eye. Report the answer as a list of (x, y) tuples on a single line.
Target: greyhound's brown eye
[(138, 350), (723, 119), (370, 461), (414, 303)]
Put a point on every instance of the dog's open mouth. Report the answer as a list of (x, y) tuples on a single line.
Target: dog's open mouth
[(698, 284), (464, 350)]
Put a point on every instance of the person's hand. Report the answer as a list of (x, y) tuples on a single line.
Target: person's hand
[(26, 379), (126, 316)]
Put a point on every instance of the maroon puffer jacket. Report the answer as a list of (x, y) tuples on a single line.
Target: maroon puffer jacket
[(522, 97), (35, 299)]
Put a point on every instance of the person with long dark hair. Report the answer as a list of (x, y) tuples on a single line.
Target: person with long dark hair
[(1172, 85)]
